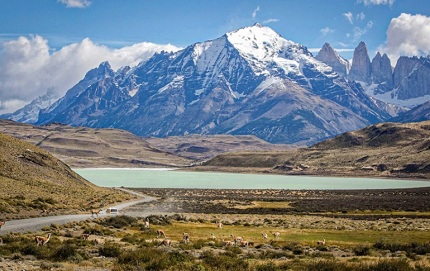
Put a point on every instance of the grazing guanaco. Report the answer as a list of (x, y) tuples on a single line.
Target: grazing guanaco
[(2, 223), (321, 242), (219, 225), (186, 238), (42, 240), (85, 236), (276, 234), (265, 235), (166, 242), (236, 240), (227, 243), (146, 224), (160, 233)]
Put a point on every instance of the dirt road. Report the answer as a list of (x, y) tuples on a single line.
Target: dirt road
[(37, 223)]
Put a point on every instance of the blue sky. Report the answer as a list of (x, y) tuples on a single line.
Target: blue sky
[(37, 37)]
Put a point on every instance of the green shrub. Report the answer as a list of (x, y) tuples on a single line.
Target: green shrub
[(110, 249), (119, 221), (152, 259), (362, 251), (331, 265), (226, 261), (391, 265), (64, 252)]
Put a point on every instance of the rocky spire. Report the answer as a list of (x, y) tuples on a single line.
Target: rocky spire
[(361, 68), (382, 73), (330, 57)]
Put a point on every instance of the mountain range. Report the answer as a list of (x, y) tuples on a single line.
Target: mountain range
[(248, 81)]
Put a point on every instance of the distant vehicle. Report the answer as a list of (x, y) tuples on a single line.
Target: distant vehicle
[(112, 211)]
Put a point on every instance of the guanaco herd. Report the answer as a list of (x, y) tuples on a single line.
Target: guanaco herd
[(236, 241)]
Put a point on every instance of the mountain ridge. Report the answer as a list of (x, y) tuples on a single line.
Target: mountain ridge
[(248, 81)]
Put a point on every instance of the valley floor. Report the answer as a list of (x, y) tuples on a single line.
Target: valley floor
[(362, 230)]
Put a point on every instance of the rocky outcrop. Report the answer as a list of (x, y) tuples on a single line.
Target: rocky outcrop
[(330, 57), (382, 73), (412, 77), (361, 68)]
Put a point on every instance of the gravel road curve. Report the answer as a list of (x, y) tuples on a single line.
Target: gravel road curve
[(37, 223)]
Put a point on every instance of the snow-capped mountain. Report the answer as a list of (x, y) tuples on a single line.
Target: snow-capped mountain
[(30, 112), (248, 81)]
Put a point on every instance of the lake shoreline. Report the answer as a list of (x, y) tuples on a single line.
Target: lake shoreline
[(170, 178)]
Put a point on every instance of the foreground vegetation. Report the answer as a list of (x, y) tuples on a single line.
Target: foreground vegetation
[(124, 243)]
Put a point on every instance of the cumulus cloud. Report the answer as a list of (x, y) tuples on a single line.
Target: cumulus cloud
[(349, 16), (30, 67), (376, 2), (76, 3), (254, 13), (407, 35), (326, 30)]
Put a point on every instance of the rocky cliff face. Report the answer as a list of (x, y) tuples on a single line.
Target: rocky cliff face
[(361, 68), (330, 57), (382, 73), (404, 87), (412, 77)]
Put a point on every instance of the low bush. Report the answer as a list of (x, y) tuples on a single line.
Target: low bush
[(362, 251), (411, 248), (119, 221), (110, 249)]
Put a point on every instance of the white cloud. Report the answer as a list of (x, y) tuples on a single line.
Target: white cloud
[(358, 32), (349, 17), (407, 35), (29, 69), (326, 30), (254, 13), (376, 2), (76, 3), (360, 16), (271, 20)]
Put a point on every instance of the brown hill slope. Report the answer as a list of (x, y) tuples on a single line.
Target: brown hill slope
[(382, 150), (88, 147), (201, 147), (32, 180)]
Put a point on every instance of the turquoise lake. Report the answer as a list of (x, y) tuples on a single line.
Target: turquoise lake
[(156, 178)]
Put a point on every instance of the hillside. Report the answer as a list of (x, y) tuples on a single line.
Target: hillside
[(201, 147), (88, 147), (32, 180), (382, 150)]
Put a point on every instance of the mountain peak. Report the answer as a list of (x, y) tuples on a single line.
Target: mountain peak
[(330, 57), (361, 67)]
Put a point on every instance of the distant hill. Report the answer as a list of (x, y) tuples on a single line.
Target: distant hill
[(31, 179), (89, 147), (201, 147), (382, 150)]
